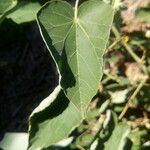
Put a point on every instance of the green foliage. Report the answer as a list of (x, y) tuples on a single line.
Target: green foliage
[(18, 11), (24, 12), (144, 14), (6, 5), (72, 44), (118, 138), (84, 112)]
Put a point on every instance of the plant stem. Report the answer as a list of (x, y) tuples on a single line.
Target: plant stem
[(112, 45), (126, 46), (80, 147), (132, 97), (76, 9), (112, 77)]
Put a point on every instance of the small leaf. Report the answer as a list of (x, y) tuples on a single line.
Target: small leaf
[(14, 141), (25, 12), (118, 138), (146, 146), (6, 5), (118, 97), (109, 124)]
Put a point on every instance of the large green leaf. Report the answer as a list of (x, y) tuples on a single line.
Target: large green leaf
[(52, 120), (77, 44), (118, 138)]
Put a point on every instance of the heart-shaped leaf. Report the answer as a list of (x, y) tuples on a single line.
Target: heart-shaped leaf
[(77, 39)]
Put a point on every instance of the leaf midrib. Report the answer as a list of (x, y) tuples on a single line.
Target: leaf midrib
[(76, 23)]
